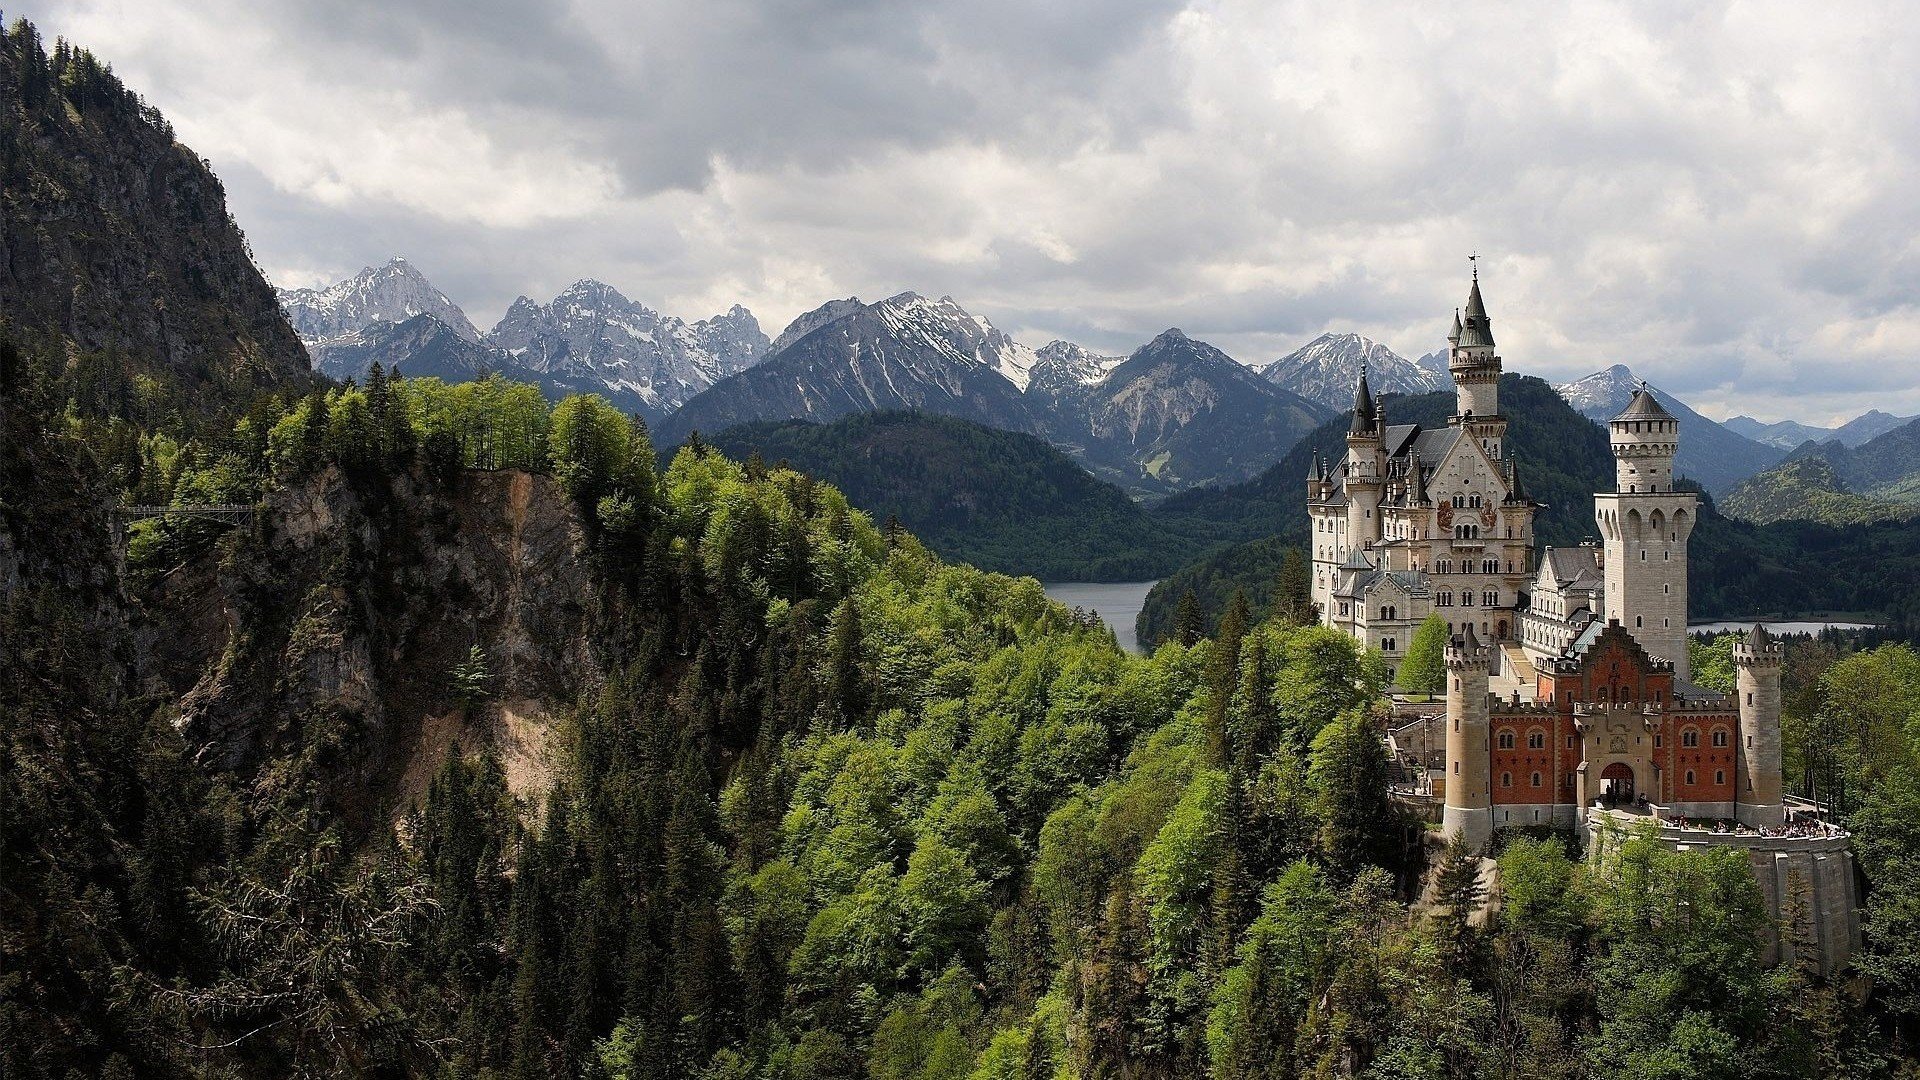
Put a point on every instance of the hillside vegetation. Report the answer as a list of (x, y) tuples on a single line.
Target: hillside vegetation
[(1808, 489), (998, 500)]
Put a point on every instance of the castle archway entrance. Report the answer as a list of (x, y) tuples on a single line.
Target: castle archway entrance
[(1616, 784)]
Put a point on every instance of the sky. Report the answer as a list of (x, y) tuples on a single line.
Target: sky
[(1720, 196)]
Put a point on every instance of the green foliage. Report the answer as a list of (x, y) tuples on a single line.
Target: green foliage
[(471, 677), (1424, 671), (1711, 661), (996, 499)]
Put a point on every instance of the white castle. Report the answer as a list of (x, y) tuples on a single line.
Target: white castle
[(1568, 698)]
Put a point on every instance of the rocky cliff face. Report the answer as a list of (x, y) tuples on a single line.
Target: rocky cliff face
[(116, 237), (348, 606)]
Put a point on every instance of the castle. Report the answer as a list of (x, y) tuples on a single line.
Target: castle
[(1568, 699)]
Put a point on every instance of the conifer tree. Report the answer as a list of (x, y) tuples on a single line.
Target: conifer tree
[(1293, 591), (1189, 626)]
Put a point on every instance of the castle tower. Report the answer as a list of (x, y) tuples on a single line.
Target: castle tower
[(1366, 480), (1756, 663), (1469, 810), (1645, 523), (1476, 373)]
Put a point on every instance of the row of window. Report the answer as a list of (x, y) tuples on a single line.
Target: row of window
[(1506, 778), (1689, 739), (1487, 566), (1489, 598)]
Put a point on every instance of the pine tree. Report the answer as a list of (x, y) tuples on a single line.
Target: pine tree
[(1189, 626), (1293, 591), (1457, 894)]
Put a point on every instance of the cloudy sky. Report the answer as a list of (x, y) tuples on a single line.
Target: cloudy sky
[(1721, 196)]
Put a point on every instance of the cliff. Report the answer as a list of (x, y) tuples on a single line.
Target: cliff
[(116, 238)]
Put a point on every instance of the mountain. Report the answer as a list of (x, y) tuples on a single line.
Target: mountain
[(1434, 362), (1886, 466), (1325, 369), (1868, 426), (1063, 371), (1185, 414), (1785, 434), (1808, 489), (905, 352), (115, 239), (590, 333), (419, 346), (996, 499), (1715, 456), (1175, 413), (389, 294)]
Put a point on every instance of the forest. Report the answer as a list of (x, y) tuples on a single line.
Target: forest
[(838, 809), (809, 801)]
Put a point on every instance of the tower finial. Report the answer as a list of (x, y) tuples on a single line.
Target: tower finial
[(1475, 260)]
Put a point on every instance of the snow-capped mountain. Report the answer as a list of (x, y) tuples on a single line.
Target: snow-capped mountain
[(1435, 362), (1789, 434), (905, 352), (1063, 367), (1710, 453), (591, 332), (392, 293), (1325, 369)]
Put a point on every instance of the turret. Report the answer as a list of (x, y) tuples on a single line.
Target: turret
[(1645, 524), (1469, 809), (1471, 360), (1476, 372), (1366, 466), (1756, 664)]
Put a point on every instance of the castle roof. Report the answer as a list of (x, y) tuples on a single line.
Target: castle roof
[(1642, 406), (1363, 410), (1758, 637), (1476, 330), (1572, 568)]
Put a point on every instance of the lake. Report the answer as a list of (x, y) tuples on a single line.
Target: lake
[(1783, 627), (1117, 603)]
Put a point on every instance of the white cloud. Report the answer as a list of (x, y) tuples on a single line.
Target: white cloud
[(1716, 195)]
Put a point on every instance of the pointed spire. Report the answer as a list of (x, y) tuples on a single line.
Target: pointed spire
[(1313, 468), (1453, 336), (1417, 490), (1476, 330), (1514, 491), (1363, 409), (1758, 637)]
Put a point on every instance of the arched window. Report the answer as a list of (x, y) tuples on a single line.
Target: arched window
[(1536, 779), (1506, 779), (1506, 740), (1690, 738), (1536, 740), (1719, 736), (1689, 776), (1719, 776)]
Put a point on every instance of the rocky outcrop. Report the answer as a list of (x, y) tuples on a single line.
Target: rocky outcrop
[(348, 606)]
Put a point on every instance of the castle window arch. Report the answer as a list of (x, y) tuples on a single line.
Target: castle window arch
[(1506, 740), (1719, 776), (1506, 779), (1689, 776), (1536, 779), (1719, 736), (1536, 739), (1690, 738)]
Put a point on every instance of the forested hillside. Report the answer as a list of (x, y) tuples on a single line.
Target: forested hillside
[(995, 499), (116, 238)]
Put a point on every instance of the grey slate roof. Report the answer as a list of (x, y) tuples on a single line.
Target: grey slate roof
[(1643, 406), (1476, 330)]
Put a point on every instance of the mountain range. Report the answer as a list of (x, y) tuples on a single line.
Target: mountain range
[(589, 338), (1789, 434), (1715, 456), (1325, 370)]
